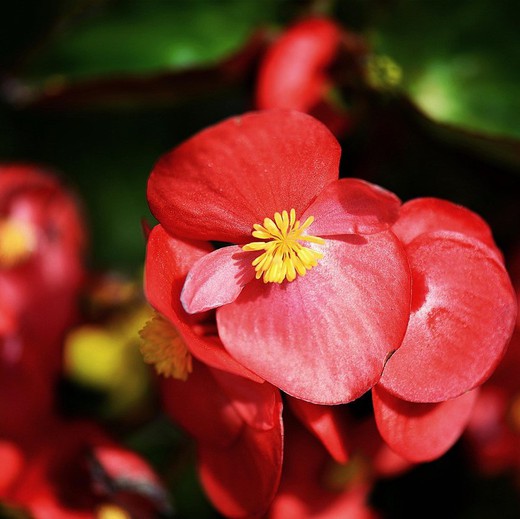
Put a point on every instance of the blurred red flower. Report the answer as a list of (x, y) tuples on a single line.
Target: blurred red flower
[(75, 471), (42, 239), (294, 73)]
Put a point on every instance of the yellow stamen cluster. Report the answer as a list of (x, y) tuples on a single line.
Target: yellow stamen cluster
[(17, 242), (110, 511), (284, 256), (163, 347)]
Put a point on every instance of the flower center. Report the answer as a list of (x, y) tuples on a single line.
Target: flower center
[(284, 256), (163, 347), (17, 242)]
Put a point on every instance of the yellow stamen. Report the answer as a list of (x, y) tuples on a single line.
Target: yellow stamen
[(164, 347), (284, 256), (109, 511), (17, 242)]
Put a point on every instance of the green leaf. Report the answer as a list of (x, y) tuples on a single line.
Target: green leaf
[(459, 60), (134, 37)]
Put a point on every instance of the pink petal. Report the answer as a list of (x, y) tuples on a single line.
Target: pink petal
[(423, 215), (168, 260), (227, 178), (217, 279), (421, 432), (324, 337), (352, 206), (463, 314), (326, 423)]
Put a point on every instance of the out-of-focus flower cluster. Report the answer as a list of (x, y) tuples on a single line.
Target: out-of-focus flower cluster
[(311, 334)]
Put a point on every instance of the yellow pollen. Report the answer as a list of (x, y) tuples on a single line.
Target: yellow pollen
[(17, 242), (163, 347), (284, 256)]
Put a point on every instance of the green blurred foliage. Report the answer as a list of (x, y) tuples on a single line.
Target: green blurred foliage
[(148, 36), (460, 60)]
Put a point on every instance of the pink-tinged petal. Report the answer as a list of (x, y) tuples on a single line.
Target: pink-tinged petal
[(352, 206), (168, 261), (325, 336), (217, 279), (241, 481), (326, 423), (421, 432), (201, 407), (293, 71), (227, 178), (423, 215), (463, 315)]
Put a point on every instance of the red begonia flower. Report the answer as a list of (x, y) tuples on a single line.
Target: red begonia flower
[(463, 305), (330, 308), (293, 73), (237, 425), (421, 432)]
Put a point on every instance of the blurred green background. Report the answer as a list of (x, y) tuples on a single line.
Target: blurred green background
[(97, 90)]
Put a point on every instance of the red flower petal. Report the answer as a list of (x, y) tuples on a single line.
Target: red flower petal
[(217, 279), (324, 337), (352, 206), (421, 432), (463, 314), (168, 260), (227, 178), (423, 215), (292, 74), (257, 404), (326, 423), (242, 480), (201, 407), (239, 464)]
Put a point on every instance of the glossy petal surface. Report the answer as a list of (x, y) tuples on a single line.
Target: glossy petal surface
[(352, 206), (324, 337), (217, 279), (423, 215), (463, 313), (227, 178), (421, 432)]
